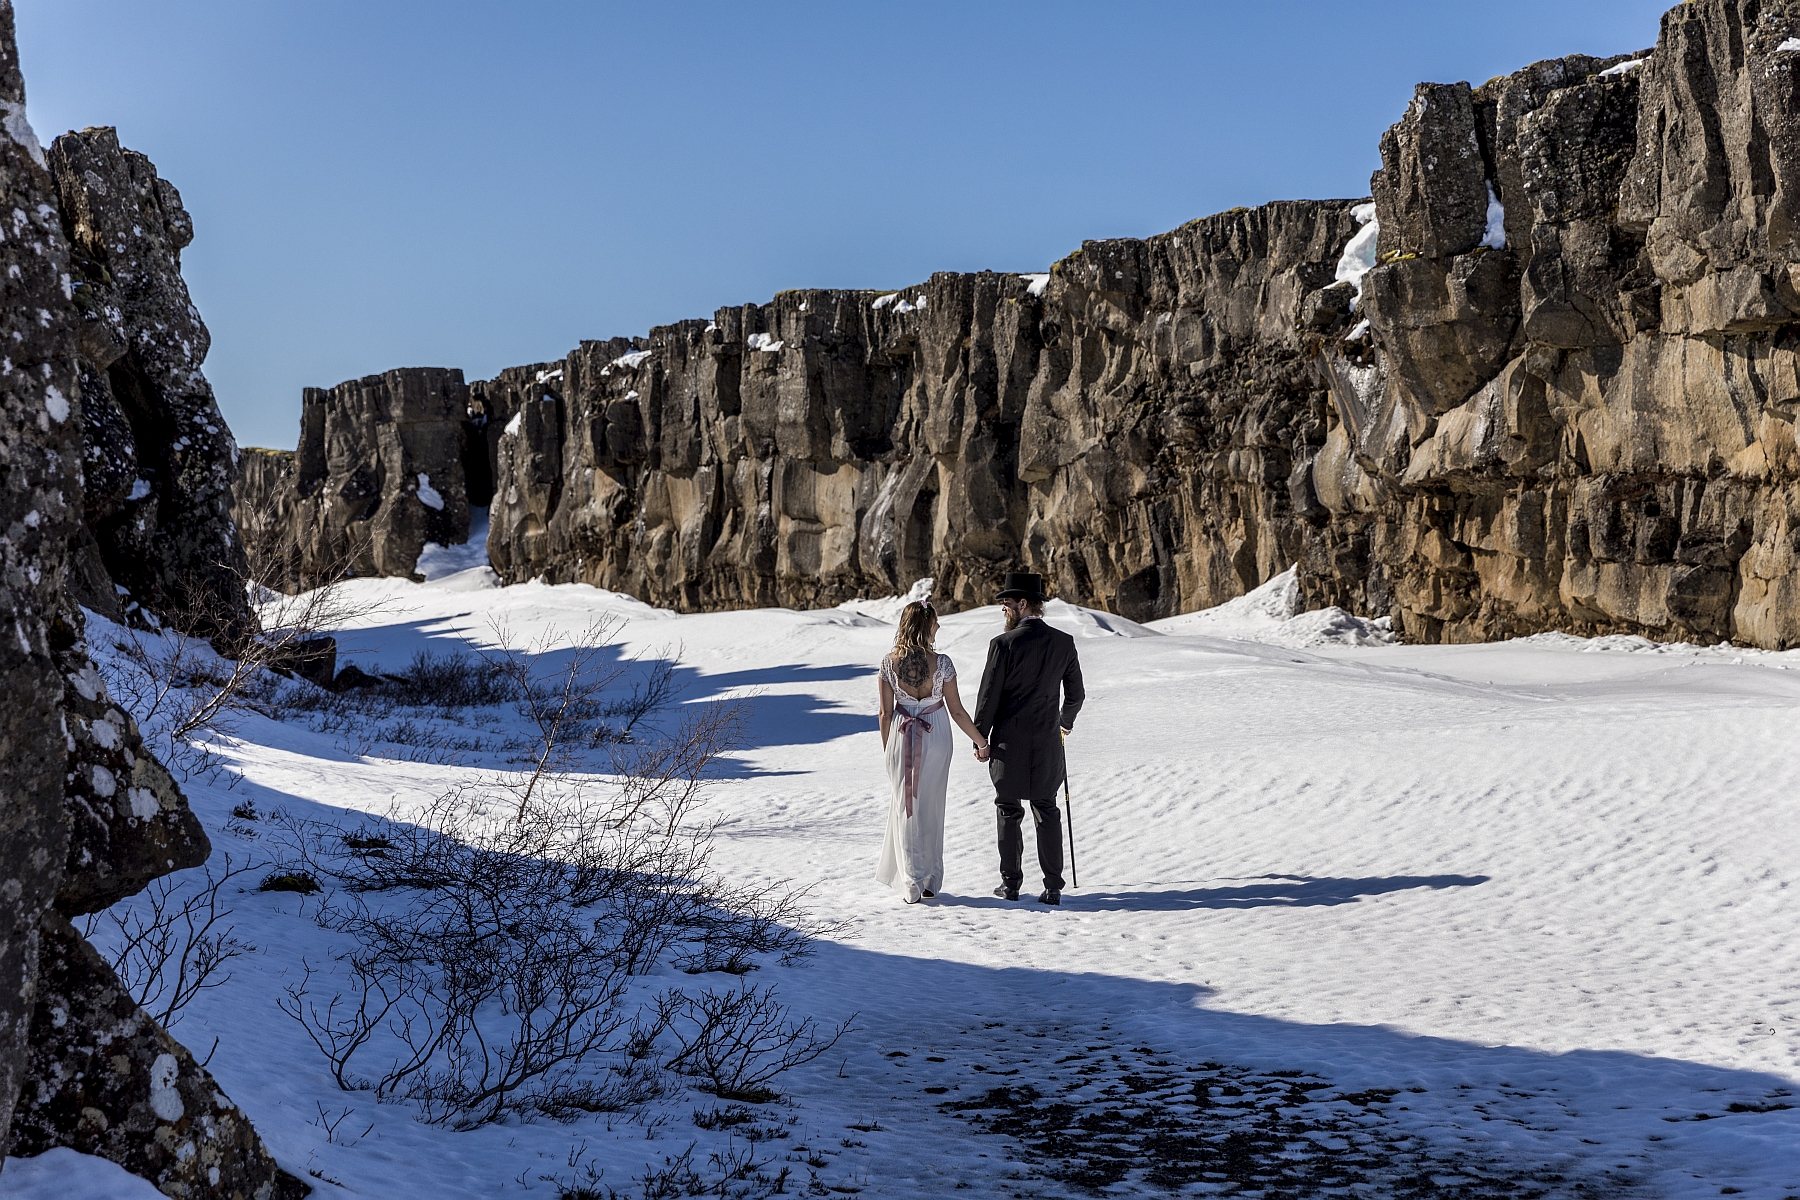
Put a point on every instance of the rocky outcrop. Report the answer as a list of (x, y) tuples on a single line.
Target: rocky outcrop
[(126, 820), (378, 473), (1562, 398), (158, 457), (1592, 428), (40, 487), (89, 816), (107, 1080)]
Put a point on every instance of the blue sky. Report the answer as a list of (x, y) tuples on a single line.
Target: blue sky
[(396, 183)]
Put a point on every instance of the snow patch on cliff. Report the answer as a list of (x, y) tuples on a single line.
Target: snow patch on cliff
[(19, 130), (1358, 258), (1495, 238)]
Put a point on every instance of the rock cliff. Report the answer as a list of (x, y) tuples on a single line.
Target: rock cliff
[(1590, 428), (1545, 379), (158, 458), (378, 474), (89, 816)]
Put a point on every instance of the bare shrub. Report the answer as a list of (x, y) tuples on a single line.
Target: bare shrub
[(735, 1172), (183, 673), (455, 680), (566, 687), (290, 881), (496, 934), (738, 1041), (172, 943)]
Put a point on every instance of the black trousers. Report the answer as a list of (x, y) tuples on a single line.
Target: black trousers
[(1048, 819)]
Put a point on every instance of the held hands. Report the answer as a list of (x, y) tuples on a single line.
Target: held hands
[(983, 752)]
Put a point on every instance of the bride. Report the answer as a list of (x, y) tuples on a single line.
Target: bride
[(918, 688)]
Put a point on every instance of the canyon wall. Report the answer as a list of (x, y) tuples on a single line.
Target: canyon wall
[(379, 473), (1593, 428), (158, 460), (1551, 385), (115, 471)]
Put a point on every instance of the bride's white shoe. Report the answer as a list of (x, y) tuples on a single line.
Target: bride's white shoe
[(913, 894)]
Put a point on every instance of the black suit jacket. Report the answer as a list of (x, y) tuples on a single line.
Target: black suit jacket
[(1031, 686)]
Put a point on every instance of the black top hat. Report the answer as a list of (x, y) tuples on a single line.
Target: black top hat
[(1023, 585)]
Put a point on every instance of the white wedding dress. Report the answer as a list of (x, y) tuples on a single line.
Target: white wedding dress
[(920, 746)]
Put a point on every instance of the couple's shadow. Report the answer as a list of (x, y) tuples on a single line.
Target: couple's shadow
[(1271, 891)]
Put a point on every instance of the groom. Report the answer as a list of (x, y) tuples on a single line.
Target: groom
[(1020, 714)]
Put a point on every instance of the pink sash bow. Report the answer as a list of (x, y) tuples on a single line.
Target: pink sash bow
[(913, 728)]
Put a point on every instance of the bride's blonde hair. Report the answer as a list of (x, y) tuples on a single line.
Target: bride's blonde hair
[(913, 635)]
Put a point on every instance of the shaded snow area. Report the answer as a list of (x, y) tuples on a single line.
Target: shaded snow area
[(63, 1174), (1271, 615), (439, 562), (1353, 919)]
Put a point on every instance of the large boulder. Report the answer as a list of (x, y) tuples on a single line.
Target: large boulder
[(108, 1080)]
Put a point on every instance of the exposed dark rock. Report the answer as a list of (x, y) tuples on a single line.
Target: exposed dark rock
[(128, 822), (40, 490), (158, 458), (378, 473), (352, 677), (107, 1080), (88, 815)]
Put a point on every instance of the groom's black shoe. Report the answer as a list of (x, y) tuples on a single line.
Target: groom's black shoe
[(1006, 893), (1049, 897)]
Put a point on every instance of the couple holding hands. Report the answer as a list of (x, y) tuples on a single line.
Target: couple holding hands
[(1030, 692)]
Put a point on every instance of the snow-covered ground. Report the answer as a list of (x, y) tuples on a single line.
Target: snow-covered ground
[(1518, 910)]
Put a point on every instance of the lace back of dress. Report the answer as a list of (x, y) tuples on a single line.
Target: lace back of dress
[(907, 673)]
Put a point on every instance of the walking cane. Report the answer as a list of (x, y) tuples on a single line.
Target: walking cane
[(1069, 811)]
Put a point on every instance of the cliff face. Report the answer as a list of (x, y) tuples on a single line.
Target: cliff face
[(1562, 398), (158, 458), (378, 474), (1593, 428), (40, 443), (1127, 426), (100, 380)]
